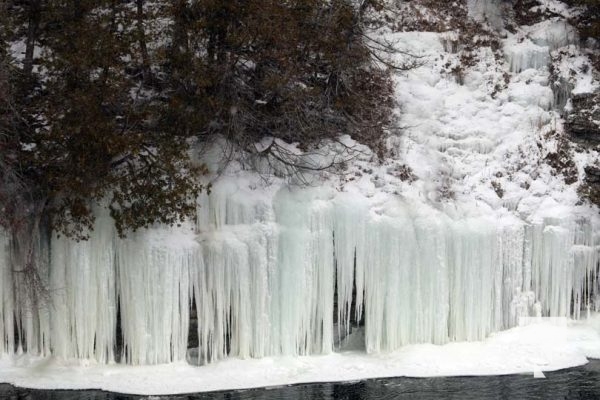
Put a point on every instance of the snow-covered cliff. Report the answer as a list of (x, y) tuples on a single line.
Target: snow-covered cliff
[(472, 220)]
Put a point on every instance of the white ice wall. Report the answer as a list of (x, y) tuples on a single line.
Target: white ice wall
[(153, 284), (82, 295), (263, 270)]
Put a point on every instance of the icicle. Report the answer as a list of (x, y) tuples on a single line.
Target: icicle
[(475, 261), (235, 281), (82, 285), (525, 55), (305, 271), (533, 51), (349, 233), (26, 295), (562, 93), (7, 310), (154, 294)]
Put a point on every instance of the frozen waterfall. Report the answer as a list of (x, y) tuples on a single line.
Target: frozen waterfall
[(533, 47), (266, 273)]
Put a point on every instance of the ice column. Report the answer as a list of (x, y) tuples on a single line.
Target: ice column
[(83, 295), (264, 272), (154, 286), (7, 329)]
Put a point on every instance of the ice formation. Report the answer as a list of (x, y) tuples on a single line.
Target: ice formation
[(290, 271), (264, 275), (532, 47), (526, 54)]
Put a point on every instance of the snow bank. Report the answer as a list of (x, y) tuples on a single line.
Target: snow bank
[(541, 346)]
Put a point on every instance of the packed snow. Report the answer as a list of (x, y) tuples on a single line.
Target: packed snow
[(537, 346)]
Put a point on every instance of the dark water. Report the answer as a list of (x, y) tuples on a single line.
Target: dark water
[(575, 383)]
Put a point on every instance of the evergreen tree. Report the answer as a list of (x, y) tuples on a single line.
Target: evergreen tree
[(104, 97), (87, 139), (296, 70)]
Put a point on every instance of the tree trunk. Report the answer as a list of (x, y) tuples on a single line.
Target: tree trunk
[(32, 33), (180, 33), (146, 72)]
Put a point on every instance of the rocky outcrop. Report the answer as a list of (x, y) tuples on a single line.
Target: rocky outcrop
[(583, 122), (591, 187), (592, 174)]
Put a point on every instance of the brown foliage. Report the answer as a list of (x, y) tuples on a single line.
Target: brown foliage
[(108, 109), (296, 70), (82, 138)]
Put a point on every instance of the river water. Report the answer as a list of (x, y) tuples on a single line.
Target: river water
[(575, 383)]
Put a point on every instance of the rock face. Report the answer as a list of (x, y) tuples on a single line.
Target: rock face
[(583, 123), (592, 174), (591, 187)]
